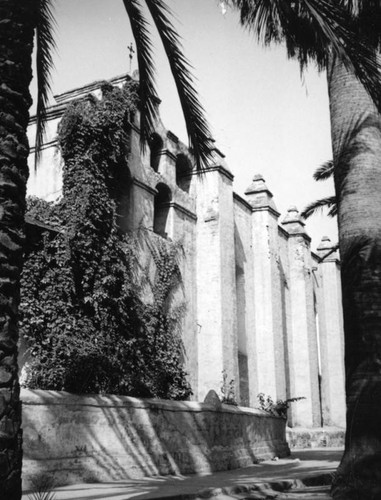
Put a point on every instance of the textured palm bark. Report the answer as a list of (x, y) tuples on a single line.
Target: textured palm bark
[(356, 139), (17, 21)]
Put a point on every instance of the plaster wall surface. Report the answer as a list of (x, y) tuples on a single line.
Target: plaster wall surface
[(108, 438), (245, 301), (285, 312), (304, 368), (277, 304), (228, 283), (331, 338), (185, 224), (216, 307), (267, 303)]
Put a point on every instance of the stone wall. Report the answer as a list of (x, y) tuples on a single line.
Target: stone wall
[(107, 438)]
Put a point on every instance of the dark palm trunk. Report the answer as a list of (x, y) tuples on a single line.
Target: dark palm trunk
[(356, 139), (17, 22)]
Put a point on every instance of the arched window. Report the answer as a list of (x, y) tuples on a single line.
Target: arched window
[(183, 172), (161, 209), (156, 147)]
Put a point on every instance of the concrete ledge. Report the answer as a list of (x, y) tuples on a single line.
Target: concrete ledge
[(108, 438), (320, 437)]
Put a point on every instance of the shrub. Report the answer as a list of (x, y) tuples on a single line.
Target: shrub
[(279, 408), (228, 390)]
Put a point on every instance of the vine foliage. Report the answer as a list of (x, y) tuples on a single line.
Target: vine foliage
[(278, 408), (82, 315)]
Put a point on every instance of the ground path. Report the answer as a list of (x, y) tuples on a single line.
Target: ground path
[(292, 478)]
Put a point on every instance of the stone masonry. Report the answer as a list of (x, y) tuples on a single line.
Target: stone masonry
[(261, 306)]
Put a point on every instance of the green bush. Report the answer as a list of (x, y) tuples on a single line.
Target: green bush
[(81, 311), (278, 408)]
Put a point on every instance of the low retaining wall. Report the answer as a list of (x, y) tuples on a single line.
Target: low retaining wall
[(318, 437), (106, 438)]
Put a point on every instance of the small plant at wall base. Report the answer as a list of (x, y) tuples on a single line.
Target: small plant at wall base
[(278, 408), (81, 312), (228, 390)]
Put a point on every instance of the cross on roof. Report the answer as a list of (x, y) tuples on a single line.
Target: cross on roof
[(132, 51)]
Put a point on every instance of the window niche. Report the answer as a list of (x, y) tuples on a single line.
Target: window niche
[(161, 209), (156, 147), (183, 172)]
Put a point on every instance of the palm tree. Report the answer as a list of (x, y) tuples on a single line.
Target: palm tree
[(325, 171), (20, 21), (306, 26), (357, 177)]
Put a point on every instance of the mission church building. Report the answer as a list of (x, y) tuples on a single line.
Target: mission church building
[(260, 305)]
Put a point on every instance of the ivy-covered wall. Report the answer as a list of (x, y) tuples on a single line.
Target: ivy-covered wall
[(82, 314)]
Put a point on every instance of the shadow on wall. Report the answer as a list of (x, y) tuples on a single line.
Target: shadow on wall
[(108, 438)]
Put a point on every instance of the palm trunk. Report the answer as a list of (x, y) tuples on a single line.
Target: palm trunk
[(18, 19), (356, 139)]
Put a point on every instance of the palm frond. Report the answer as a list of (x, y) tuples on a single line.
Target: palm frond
[(318, 205), (199, 135), (262, 17), (44, 64), (312, 30), (333, 210), (289, 22), (147, 90), (368, 15), (353, 6), (341, 31), (324, 172)]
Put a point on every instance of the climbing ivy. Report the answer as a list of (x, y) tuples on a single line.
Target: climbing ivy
[(81, 311)]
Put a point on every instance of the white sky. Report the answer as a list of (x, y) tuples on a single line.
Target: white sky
[(264, 119)]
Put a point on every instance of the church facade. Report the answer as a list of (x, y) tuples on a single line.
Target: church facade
[(261, 307)]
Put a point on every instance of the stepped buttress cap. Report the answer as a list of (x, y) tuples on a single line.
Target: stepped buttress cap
[(293, 215), (258, 185), (259, 196), (325, 244)]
